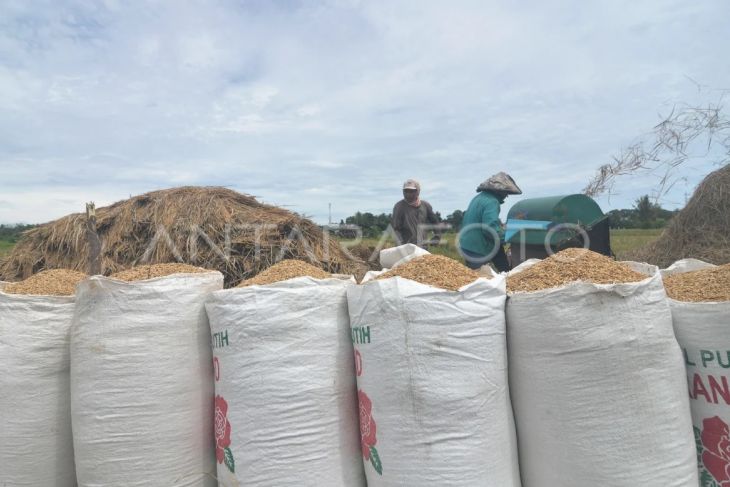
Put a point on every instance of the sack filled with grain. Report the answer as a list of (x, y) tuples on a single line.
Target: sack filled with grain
[(431, 368), (394, 256), (596, 375), (142, 379), (36, 444), (700, 300), (285, 404)]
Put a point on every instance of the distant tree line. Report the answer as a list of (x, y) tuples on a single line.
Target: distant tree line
[(374, 225), (644, 214), (11, 233)]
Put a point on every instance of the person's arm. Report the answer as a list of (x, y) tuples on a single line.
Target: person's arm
[(397, 218), (432, 219), (398, 222), (431, 215), (490, 217)]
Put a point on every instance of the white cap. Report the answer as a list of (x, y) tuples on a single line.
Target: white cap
[(412, 184)]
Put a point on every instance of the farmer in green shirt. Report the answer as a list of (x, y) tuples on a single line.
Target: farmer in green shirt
[(481, 238)]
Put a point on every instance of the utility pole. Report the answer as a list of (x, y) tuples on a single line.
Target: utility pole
[(330, 219), (93, 240)]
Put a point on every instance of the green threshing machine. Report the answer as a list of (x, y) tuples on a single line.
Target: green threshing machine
[(537, 227)]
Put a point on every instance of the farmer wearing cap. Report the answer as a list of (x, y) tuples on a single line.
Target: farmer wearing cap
[(481, 239), (410, 213)]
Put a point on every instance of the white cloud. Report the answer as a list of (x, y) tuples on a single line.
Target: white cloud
[(306, 103), (326, 164)]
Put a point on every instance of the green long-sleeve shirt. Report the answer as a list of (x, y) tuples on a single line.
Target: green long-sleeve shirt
[(483, 210)]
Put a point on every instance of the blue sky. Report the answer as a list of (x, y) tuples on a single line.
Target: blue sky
[(303, 103)]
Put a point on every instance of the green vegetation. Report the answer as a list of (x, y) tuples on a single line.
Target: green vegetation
[(622, 241), (371, 225), (374, 225), (447, 246), (9, 235), (5, 247), (625, 240), (644, 215)]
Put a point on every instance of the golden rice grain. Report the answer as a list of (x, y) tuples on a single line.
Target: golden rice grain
[(706, 285), (434, 270), (142, 272), (285, 270), (53, 282), (572, 265)]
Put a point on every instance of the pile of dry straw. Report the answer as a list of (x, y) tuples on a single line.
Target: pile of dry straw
[(194, 225), (701, 230)]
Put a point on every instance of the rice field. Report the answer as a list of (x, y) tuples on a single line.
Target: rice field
[(625, 240), (5, 247), (622, 241)]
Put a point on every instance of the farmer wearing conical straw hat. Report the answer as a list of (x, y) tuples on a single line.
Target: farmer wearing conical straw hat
[(481, 239)]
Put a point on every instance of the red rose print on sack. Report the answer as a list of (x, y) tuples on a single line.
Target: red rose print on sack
[(368, 431), (223, 434), (715, 439)]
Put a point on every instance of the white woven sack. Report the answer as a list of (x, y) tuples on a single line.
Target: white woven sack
[(142, 382), (36, 445), (286, 406), (395, 256), (370, 275), (432, 384), (703, 332), (598, 388)]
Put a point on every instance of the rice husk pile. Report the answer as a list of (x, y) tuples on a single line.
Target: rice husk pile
[(434, 270), (285, 270), (142, 272), (54, 282), (701, 230), (572, 265), (706, 285), (211, 227)]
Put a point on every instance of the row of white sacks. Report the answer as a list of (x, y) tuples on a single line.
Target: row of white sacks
[(110, 388), (596, 379)]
